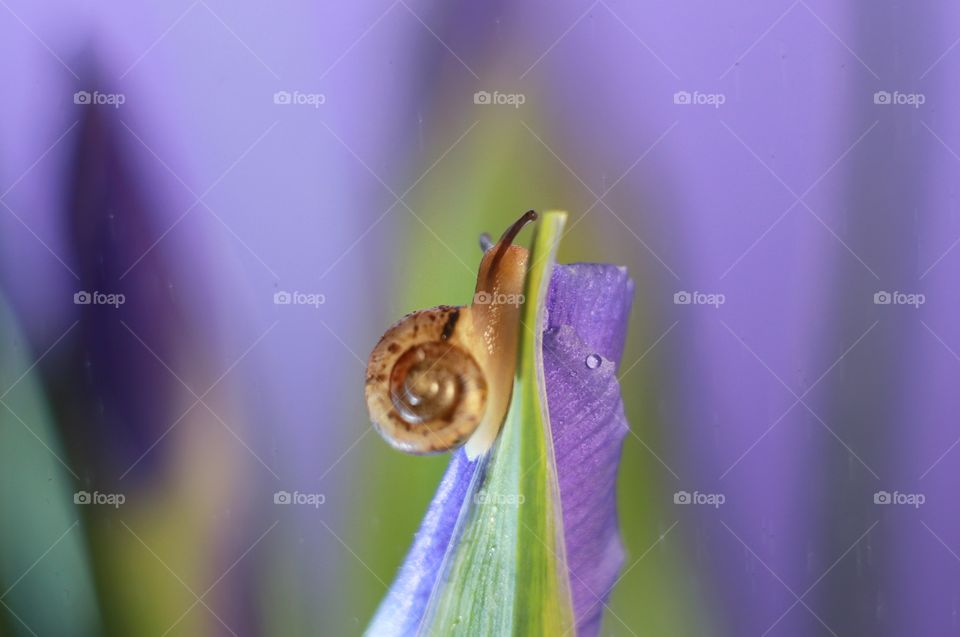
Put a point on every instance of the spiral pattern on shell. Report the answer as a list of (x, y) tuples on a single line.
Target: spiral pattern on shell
[(425, 391)]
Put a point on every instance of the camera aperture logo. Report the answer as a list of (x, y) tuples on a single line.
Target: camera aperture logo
[(896, 98), (314, 299), (308, 499), (899, 298), (499, 499), (497, 98), (911, 499), (699, 298), (486, 298), (696, 98), (86, 98), (99, 298), (708, 499), (110, 499), (299, 98)]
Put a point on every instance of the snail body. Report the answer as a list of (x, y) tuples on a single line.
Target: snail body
[(442, 377)]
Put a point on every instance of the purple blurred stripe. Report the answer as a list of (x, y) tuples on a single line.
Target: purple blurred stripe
[(905, 192), (286, 205), (698, 200)]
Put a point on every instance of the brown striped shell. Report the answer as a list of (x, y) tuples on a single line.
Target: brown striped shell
[(443, 377), (425, 391)]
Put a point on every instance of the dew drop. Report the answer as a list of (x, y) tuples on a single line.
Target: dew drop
[(593, 361)]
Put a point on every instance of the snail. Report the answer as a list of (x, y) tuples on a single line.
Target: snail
[(441, 378)]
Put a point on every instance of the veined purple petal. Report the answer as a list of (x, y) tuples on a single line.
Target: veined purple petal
[(594, 299), (588, 306)]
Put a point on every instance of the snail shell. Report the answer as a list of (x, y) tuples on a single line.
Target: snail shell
[(443, 377), (425, 390)]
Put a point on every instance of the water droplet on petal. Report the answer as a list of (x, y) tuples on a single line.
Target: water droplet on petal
[(593, 361)]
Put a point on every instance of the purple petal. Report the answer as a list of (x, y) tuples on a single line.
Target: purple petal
[(403, 607), (594, 299), (588, 306)]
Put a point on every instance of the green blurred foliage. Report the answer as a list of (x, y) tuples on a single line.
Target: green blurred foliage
[(46, 584)]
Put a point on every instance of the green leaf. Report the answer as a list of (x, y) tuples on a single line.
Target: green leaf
[(46, 580), (505, 572)]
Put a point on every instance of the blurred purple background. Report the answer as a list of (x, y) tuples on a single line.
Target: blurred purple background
[(778, 178)]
